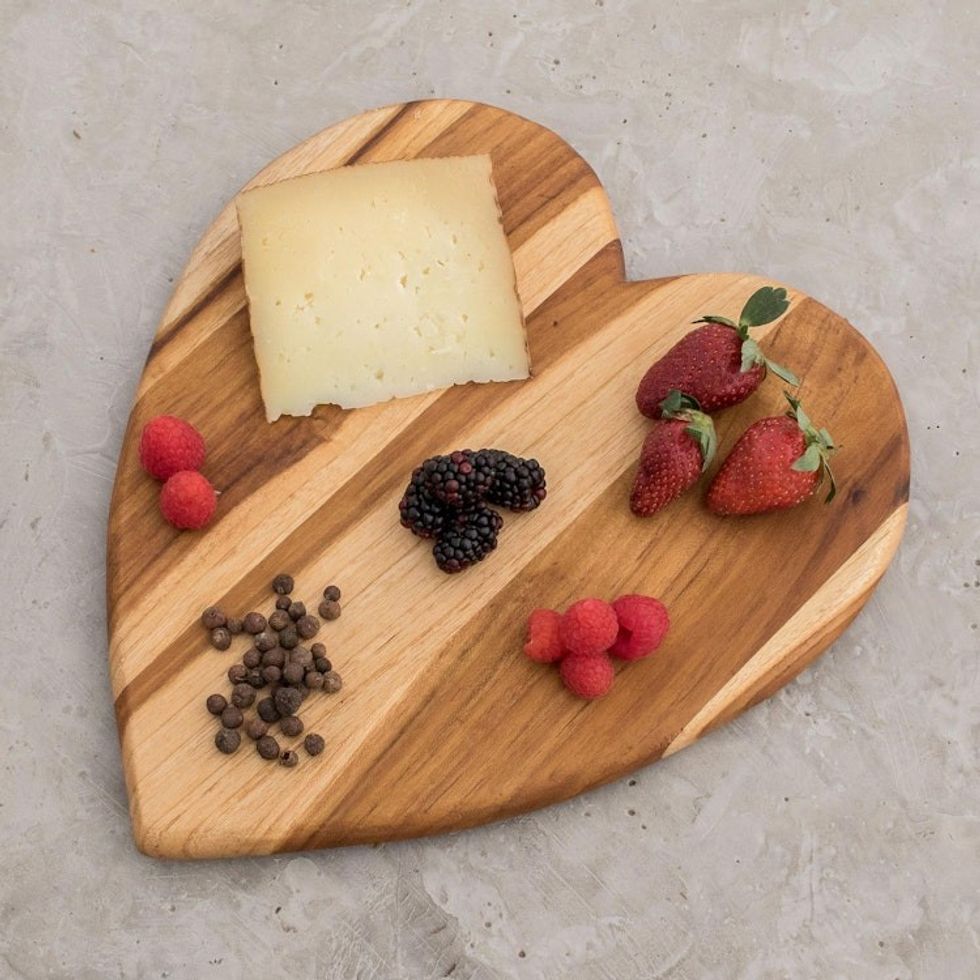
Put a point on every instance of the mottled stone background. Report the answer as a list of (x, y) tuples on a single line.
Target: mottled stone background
[(832, 832)]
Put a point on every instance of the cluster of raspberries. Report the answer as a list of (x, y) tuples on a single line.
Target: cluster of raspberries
[(589, 633), (448, 499)]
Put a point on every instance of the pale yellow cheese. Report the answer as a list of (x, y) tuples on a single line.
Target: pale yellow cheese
[(379, 281)]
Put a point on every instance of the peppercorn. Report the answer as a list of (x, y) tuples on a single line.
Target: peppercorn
[(291, 726), (220, 638), (237, 673), (243, 695), (216, 703), (318, 650), (307, 626), (314, 743), (271, 674), (274, 658), (267, 711), (213, 617), (232, 717), (332, 592), (267, 747), (288, 638), (234, 625), (292, 673), (227, 741), (301, 656), (279, 620), (288, 759), (332, 682), (313, 680), (254, 623), (287, 701), (329, 609), (296, 610), (282, 584), (265, 641), (255, 728), (255, 678), (252, 658), (322, 665), (283, 602)]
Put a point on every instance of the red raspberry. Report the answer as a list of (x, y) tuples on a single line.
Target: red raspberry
[(588, 627), (643, 623), (187, 500), (587, 677), (169, 444), (543, 645)]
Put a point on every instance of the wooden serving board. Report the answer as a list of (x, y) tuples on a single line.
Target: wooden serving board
[(442, 722)]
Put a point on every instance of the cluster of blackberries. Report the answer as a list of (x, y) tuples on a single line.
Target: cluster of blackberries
[(448, 497)]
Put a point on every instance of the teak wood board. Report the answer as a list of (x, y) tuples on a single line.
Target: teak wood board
[(442, 722)]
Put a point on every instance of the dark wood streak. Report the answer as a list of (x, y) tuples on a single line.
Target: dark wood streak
[(371, 143)]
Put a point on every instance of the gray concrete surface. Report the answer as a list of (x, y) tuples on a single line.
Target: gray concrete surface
[(832, 832)]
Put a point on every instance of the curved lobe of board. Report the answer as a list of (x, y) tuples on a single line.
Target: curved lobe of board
[(442, 723)]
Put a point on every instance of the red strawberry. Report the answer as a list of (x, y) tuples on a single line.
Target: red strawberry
[(777, 463), (676, 451), (718, 364)]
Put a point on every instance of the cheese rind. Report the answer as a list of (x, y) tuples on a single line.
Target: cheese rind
[(379, 281)]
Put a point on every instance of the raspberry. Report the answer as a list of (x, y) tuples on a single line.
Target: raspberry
[(187, 500), (517, 484), (420, 513), (587, 677), (643, 623), (169, 444), (543, 645), (467, 540), (588, 627)]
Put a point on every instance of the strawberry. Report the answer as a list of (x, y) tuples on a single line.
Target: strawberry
[(718, 364), (777, 463), (675, 452)]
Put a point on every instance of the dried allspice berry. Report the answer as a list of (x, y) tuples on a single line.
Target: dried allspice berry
[(237, 673), (213, 617), (234, 625), (272, 674), (318, 650), (216, 703), (289, 758), (243, 695), (314, 743), (332, 593), (329, 609), (220, 638), (282, 584), (267, 710), (291, 726), (254, 623), (296, 610), (301, 656), (255, 678), (288, 638), (232, 717), (265, 641), (252, 658), (267, 747), (323, 665), (313, 680), (227, 741), (332, 682), (279, 620), (293, 673), (274, 658), (283, 602), (307, 626), (255, 728), (287, 701)]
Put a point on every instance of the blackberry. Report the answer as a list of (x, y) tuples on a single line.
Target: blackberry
[(468, 539), (517, 484), (420, 513), (455, 480)]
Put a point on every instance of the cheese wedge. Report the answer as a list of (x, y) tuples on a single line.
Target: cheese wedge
[(379, 281)]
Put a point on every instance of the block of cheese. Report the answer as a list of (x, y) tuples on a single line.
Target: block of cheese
[(378, 281)]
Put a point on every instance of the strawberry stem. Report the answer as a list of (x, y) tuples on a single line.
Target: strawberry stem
[(677, 405), (819, 447)]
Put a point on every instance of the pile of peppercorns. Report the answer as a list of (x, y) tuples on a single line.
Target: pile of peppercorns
[(276, 661)]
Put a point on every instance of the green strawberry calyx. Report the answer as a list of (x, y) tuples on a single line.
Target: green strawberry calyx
[(763, 306), (700, 428), (819, 447)]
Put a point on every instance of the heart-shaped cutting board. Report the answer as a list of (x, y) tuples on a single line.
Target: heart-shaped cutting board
[(442, 722)]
